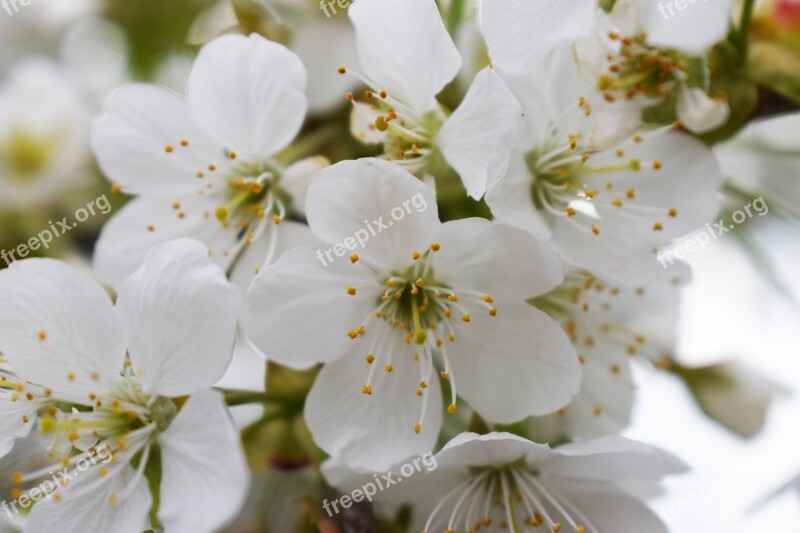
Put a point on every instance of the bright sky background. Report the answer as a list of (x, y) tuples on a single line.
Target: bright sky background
[(731, 312)]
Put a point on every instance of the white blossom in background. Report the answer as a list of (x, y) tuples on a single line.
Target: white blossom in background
[(37, 28), (633, 55), (401, 111), (503, 482), (611, 326), (65, 344), (606, 197), (44, 145), (421, 302), (204, 166), (764, 158)]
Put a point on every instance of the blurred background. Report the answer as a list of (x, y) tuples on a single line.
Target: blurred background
[(729, 408)]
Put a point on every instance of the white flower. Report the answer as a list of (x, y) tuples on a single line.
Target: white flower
[(502, 482), (205, 166), (36, 28), (631, 55), (44, 146), (408, 58), (610, 326), (764, 158), (176, 319), (419, 300), (606, 202)]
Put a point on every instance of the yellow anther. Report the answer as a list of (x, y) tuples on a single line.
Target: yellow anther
[(416, 255), (17, 478), (673, 213), (42, 335), (389, 368), (169, 149), (451, 338), (351, 291), (451, 408), (233, 155), (423, 385), (570, 211), (354, 258), (595, 230), (617, 202), (436, 246), (443, 374), (151, 228), (657, 165), (630, 193), (342, 70), (417, 429), (366, 389), (116, 188), (493, 311), (419, 283), (453, 298), (597, 411), (71, 376), (466, 317), (657, 226)]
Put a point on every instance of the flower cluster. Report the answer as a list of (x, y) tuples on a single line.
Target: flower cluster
[(438, 235)]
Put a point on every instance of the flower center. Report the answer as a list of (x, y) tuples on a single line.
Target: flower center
[(409, 139), (26, 155), (512, 495), (641, 70), (562, 170), (423, 309)]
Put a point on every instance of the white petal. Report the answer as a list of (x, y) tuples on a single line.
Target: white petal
[(58, 328), (376, 203), (92, 511), (12, 424), (249, 93), (180, 314), (150, 221), (324, 45), (298, 177), (511, 202), (373, 432), (604, 404), (608, 508), (496, 259), (518, 32), (478, 138), (130, 141), (405, 49), (611, 458), (362, 123), (300, 311), (473, 450), (205, 477), (691, 28), (699, 112), (517, 364)]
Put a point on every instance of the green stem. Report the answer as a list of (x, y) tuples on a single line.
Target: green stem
[(308, 145), (739, 37)]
